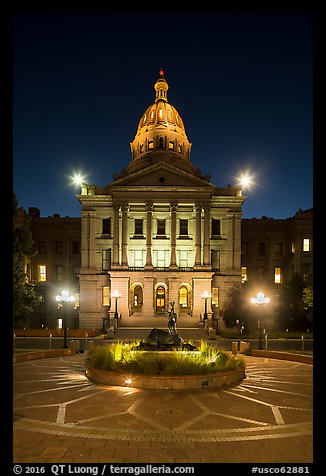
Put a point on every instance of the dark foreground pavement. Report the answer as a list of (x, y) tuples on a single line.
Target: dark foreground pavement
[(62, 417)]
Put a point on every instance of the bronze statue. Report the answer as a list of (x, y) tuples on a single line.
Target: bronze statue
[(172, 319)]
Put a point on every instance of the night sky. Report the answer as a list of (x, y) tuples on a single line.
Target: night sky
[(242, 84)]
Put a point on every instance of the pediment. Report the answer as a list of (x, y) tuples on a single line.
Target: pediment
[(162, 174)]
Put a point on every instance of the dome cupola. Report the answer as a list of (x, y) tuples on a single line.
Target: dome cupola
[(161, 133)]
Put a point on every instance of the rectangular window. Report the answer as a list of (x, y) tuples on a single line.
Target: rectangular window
[(106, 226), (139, 258), (76, 247), (58, 247), (244, 275), (139, 226), (215, 256), (215, 296), (306, 245), (77, 301), (216, 227), (183, 258), (261, 273), (244, 249), (161, 227), (184, 227), (106, 259), (160, 262), (41, 273), (42, 247), (278, 276), (293, 247), (59, 273), (305, 270), (75, 274), (105, 296), (261, 249), (278, 249)]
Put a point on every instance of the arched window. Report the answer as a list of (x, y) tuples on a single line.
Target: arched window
[(161, 143), (183, 296), (160, 299), (171, 145), (138, 296), (150, 145)]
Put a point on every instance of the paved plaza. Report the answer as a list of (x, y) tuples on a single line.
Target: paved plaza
[(62, 417)]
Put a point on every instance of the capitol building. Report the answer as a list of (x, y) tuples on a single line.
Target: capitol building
[(161, 232)]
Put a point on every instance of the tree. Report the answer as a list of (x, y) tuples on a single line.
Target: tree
[(293, 311), (236, 308), (25, 299)]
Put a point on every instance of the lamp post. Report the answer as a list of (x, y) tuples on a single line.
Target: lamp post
[(64, 298), (116, 295), (205, 296), (259, 301)]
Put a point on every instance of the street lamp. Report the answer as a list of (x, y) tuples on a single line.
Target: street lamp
[(205, 296), (65, 297), (259, 301), (116, 295)]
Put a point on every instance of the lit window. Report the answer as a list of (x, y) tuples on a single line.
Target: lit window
[(152, 114), (76, 301), (105, 296), (293, 247), (183, 296), (150, 145), (215, 297), (144, 118), (171, 145), (244, 274), (306, 244), (161, 113), (278, 276), (41, 273)]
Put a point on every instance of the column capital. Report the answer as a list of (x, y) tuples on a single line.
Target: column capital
[(116, 206), (173, 206), (124, 207), (149, 207)]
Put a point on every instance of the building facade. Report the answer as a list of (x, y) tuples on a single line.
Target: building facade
[(161, 232), (273, 250)]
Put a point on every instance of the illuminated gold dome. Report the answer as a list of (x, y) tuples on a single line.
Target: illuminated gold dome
[(161, 133)]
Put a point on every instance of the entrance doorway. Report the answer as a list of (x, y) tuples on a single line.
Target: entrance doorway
[(160, 299)]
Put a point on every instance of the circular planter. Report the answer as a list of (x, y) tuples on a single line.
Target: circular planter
[(178, 382)]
